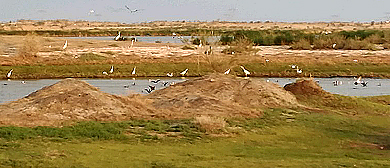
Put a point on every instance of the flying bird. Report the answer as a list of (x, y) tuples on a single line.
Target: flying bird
[(227, 72), (9, 73), (358, 81), (245, 71), (65, 45), (184, 72), (132, 11)]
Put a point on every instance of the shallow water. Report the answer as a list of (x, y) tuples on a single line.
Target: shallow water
[(148, 39), (14, 89)]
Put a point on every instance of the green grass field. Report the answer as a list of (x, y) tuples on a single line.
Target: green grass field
[(281, 138), (161, 69)]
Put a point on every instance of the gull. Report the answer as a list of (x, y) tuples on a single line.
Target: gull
[(148, 90), (299, 70), (154, 81), (65, 45), (336, 83), (91, 11), (104, 73), (118, 36), (170, 74), (131, 11), (357, 81), (133, 72), (200, 43), (245, 71), (294, 66), (112, 69), (9, 73), (184, 72), (334, 45), (165, 83), (152, 87), (227, 72)]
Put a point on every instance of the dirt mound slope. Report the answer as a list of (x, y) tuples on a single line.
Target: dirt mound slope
[(216, 95), (70, 99), (222, 95), (306, 87)]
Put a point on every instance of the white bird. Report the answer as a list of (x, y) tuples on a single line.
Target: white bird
[(299, 70), (358, 81), (91, 12), (227, 72), (118, 36), (334, 45), (184, 72), (132, 43), (133, 72), (170, 74), (9, 73), (173, 34), (65, 45), (112, 69), (245, 71), (104, 73), (293, 66), (200, 43)]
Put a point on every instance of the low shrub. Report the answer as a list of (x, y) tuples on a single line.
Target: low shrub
[(301, 45)]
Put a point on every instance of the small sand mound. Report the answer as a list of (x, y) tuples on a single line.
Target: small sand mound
[(221, 95), (306, 88), (70, 99)]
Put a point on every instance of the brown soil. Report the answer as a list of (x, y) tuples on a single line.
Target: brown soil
[(72, 100), (307, 87)]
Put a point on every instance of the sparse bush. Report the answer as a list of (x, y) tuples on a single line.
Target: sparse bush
[(186, 47), (301, 45), (30, 47), (210, 124), (226, 39), (91, 57), (374, 39), (386, 45)]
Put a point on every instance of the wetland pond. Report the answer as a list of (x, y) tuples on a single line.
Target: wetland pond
[(11, 90), (150, 39)]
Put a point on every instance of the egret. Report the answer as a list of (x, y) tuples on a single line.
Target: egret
[(118, 36), (23, 82), (334, 45), (170, 74), (104, 73), (9, 73), (200, 43), (293, 66), (245, 71), (112, 69), (133, 72), (132, 43), (227, 72), (184, 72), (65, 45)]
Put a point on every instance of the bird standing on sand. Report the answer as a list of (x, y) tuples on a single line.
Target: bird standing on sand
[(9, 73), (112, 69), (65, 45), (133, 72), (227, 72), (299, 70), (170, 74), (104, 73), (184, 72), (245, 71)]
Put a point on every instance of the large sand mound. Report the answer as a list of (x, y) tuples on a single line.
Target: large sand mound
[(70, 99), (216, 95), (222, 95)]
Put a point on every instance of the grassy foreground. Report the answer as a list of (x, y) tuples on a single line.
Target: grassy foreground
[(281, 138), (161, 69)]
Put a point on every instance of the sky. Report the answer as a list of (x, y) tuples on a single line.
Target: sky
[(196, 10)]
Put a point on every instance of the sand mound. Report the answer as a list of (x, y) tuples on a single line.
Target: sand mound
[(221, 95), (216, 95), (306, 88), (70, 99)]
